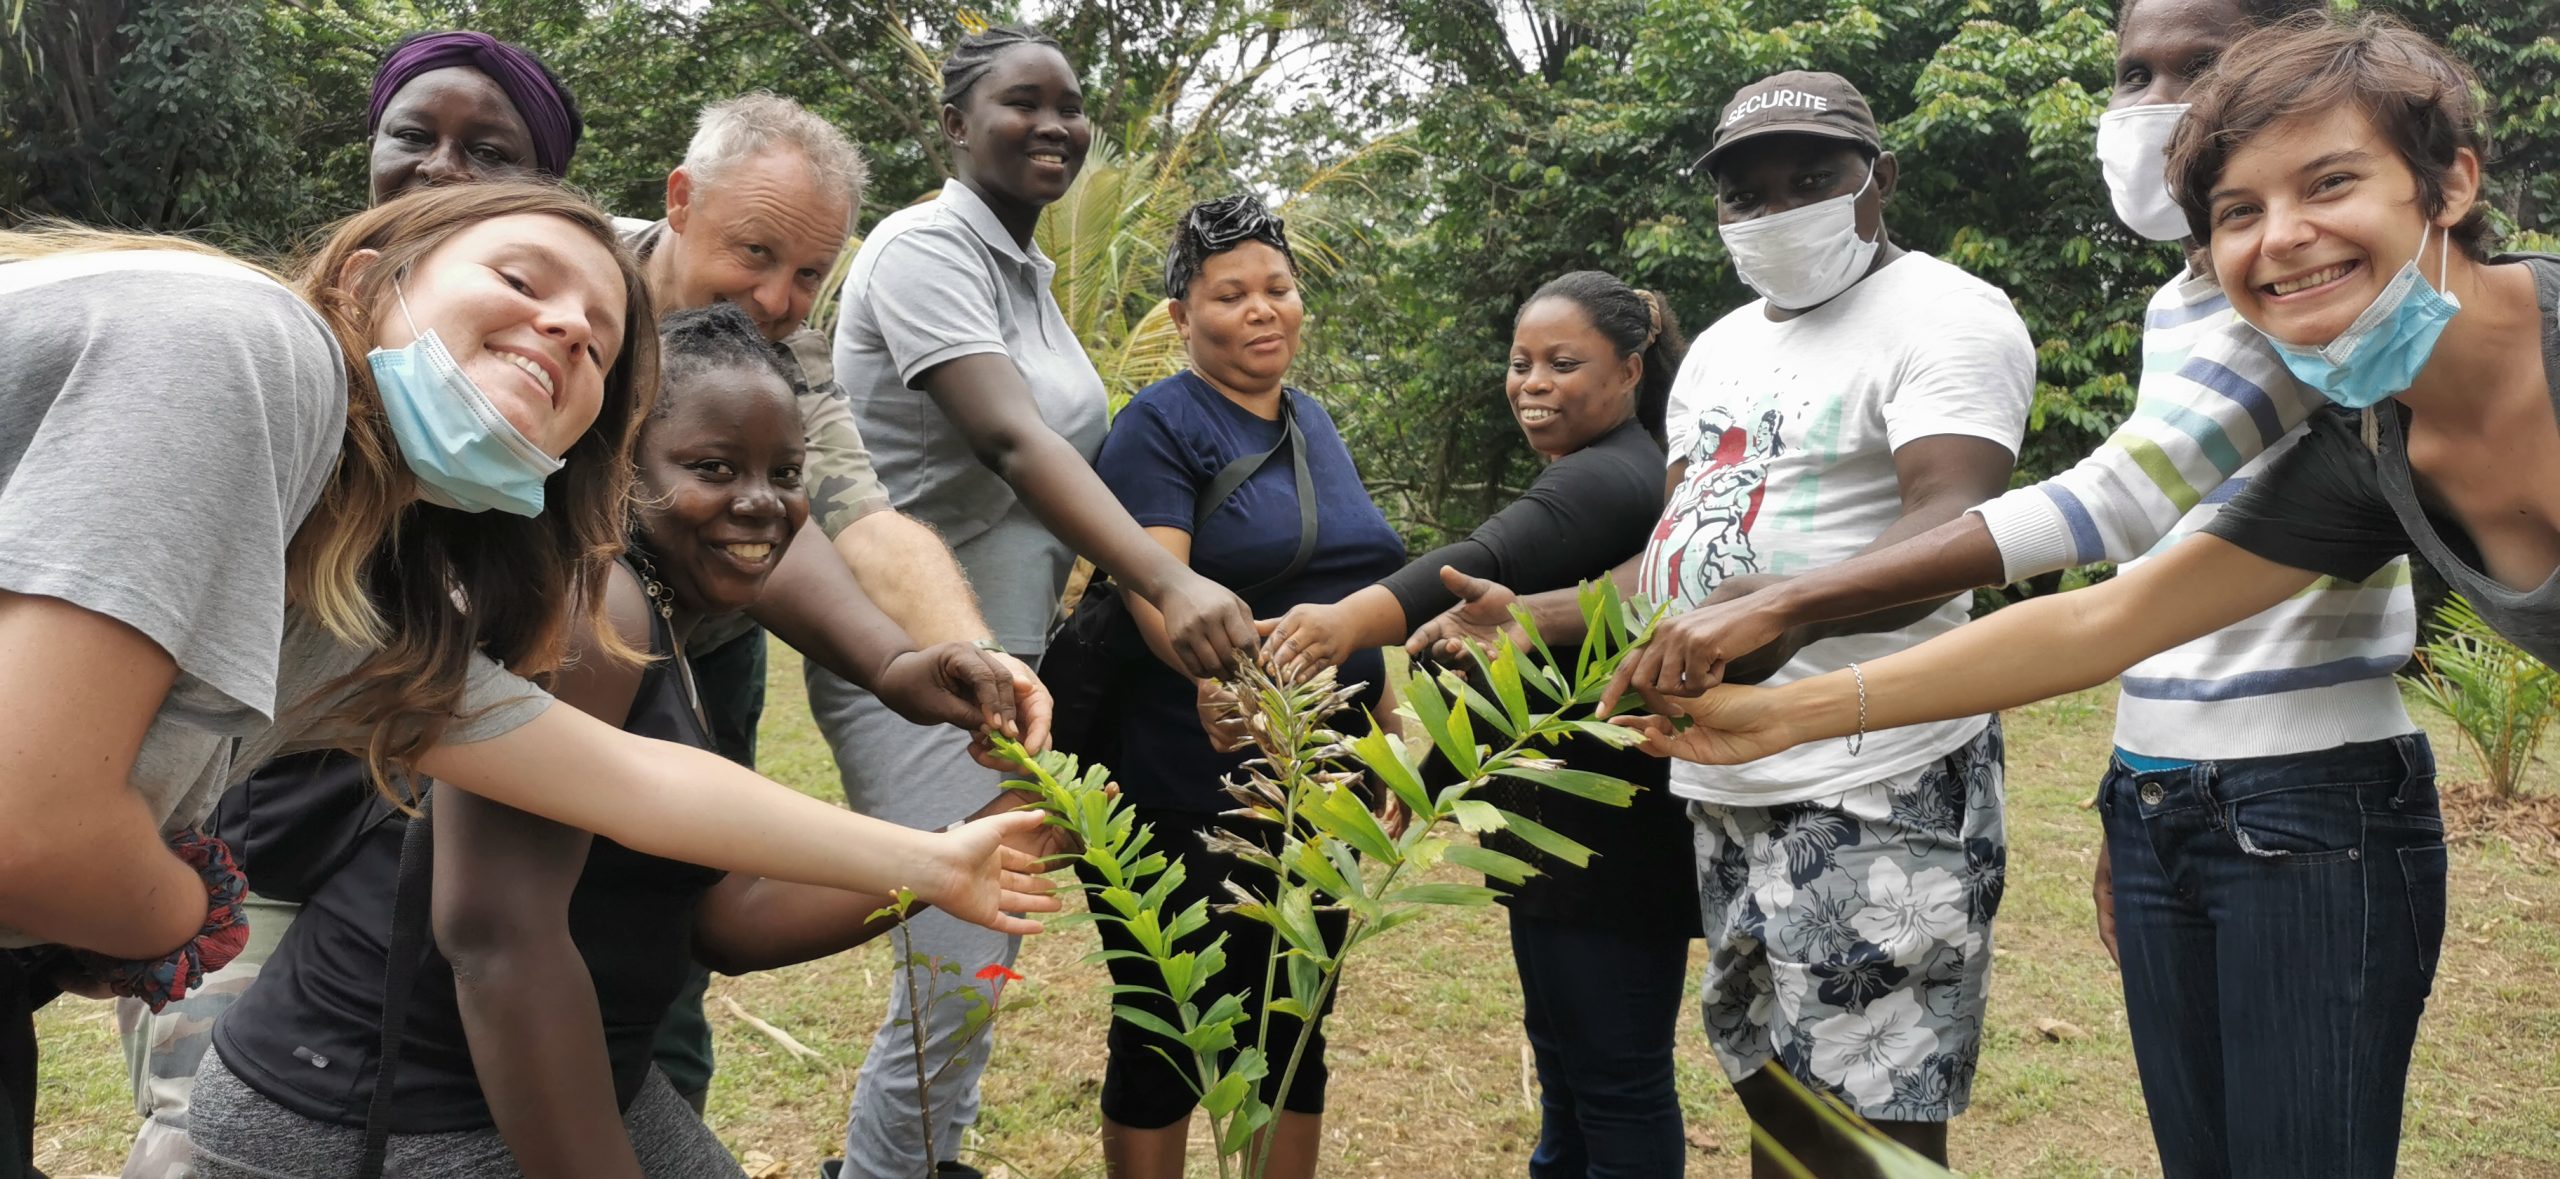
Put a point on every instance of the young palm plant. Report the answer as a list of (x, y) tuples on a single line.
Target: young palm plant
[(1329, 851), (2499, 698)]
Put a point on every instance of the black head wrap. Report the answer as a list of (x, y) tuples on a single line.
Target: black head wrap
[(1211, 228)]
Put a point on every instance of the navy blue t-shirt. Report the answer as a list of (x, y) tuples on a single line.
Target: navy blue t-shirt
[(1164, 448)]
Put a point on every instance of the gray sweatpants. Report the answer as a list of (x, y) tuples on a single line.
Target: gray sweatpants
[(919, 777), (239, 1134)]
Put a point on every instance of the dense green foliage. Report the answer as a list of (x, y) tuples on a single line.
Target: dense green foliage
[(1524, 137)]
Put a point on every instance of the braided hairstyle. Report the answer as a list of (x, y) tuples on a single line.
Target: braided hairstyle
[(1211, 228), (707, 339), (977, 53), (1635, 322)]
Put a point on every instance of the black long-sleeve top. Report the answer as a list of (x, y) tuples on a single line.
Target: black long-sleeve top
[(1586, 513)]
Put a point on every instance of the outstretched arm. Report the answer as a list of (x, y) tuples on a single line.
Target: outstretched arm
[(2201, 415), (749, 923), (1483, 614), (902, 564), (1484, 608), (687, 804), (815, 604), (1580, 517), (1940, 477), (1919, 573), (2028, 652), (985, 398)]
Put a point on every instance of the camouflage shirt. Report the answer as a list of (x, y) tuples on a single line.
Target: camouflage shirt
[(842, 486)]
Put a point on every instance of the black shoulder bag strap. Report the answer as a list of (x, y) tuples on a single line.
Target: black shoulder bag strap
[(410, 901), (1233, 475)]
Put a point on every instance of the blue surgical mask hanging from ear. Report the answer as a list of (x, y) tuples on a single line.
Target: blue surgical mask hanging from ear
[(465, 454), (2381, 352)]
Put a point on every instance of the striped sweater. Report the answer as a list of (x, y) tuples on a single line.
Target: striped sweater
[(2215, 407)]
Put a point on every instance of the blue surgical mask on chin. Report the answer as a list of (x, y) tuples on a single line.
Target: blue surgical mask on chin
[(2381, 352), (465, 454)]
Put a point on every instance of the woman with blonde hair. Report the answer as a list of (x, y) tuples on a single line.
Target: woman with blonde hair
[(235, 523)]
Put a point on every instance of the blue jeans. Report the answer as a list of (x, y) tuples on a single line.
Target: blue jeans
[(1600, 1007), (2278, 921)]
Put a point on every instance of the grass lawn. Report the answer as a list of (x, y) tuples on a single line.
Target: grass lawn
[(1429, 1063)]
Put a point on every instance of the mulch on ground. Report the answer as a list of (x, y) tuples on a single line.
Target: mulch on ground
[(2529, 820)]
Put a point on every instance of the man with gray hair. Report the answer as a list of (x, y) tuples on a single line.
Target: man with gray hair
[(756, 216)]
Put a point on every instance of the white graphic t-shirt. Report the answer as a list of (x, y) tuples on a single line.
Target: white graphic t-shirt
[(1789, 430)]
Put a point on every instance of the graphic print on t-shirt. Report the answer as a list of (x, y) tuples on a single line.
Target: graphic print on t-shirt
[(1705, 533)]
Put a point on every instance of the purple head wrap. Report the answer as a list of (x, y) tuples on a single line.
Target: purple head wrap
[(544, 106)]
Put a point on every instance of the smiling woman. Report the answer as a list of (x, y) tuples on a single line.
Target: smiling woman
[(272, 563), (527, 320), (983, 414), (557, 955), (1299, 528), (1602, 949), (724, 484)]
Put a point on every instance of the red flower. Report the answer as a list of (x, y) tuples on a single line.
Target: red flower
[(999, 971)]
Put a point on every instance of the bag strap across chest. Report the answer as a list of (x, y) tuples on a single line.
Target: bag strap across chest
[(1233, 475)]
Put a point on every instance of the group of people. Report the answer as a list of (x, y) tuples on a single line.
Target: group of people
[(285, 650)]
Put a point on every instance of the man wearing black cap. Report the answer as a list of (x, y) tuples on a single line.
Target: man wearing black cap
[(1870, 394)]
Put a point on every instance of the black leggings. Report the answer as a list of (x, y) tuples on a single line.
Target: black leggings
[(1141, 1089)]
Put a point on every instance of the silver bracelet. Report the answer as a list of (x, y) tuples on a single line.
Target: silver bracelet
[(1858, 739)]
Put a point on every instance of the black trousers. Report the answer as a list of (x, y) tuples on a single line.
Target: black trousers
[(22, 990)]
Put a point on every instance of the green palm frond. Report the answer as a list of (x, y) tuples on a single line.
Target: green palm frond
[(822, 312), (1107, 237), (1151, 352), (2499, 697)]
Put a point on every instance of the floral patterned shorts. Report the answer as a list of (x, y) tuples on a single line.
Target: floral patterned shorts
[(1851, 935)]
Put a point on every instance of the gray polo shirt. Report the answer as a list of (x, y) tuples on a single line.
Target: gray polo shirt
[(935, 282)]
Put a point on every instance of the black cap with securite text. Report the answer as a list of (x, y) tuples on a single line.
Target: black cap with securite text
[(1798, 102)]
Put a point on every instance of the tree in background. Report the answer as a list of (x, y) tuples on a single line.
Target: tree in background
[(190, 115)]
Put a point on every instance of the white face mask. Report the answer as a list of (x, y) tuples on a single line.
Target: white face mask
[(1803, 257), (2133, 153)]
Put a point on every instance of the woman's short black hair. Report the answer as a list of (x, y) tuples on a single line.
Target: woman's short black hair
[(1211, 228), (704, 339), (977, 53)]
